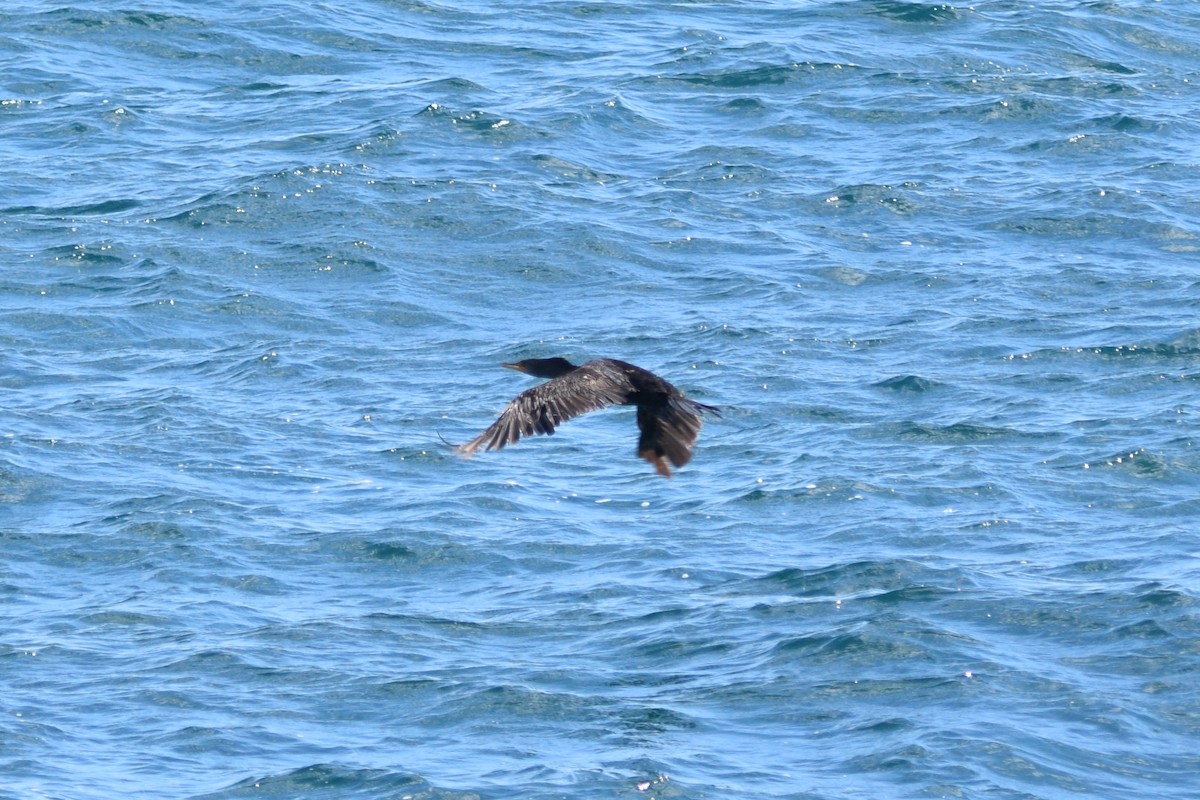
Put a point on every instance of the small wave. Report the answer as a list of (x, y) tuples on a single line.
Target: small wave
[(751, 77), (477, 121), (916, 12), (449, 85), (875, 195), (745, 104), (1185, 345), (891, 581), (1160, 596), (99, 208), (956, 432), (1138, 462), (569, 169), (913, 384), (335, 780)]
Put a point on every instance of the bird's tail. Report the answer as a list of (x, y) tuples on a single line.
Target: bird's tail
[(690, 406)]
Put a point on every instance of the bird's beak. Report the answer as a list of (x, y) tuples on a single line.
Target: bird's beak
[(517, 367)]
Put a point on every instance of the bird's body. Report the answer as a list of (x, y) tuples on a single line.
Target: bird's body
[(669, 422)]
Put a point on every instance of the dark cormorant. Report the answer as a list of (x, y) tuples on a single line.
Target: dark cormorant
[(669, 422)]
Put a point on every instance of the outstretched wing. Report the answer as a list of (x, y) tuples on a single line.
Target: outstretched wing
[(669, 431), (544, 407)]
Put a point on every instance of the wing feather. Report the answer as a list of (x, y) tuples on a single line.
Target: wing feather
[(544, 407)]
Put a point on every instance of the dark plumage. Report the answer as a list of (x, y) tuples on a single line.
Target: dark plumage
[(669, 422)]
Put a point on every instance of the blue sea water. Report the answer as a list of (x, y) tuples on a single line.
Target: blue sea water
[(938, 264)]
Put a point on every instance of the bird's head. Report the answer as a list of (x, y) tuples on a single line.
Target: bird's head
[(542, 367)]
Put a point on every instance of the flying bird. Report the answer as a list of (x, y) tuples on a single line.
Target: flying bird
[(669, 422)]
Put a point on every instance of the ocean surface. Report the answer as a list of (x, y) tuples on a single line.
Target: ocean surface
[(939, 265)]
